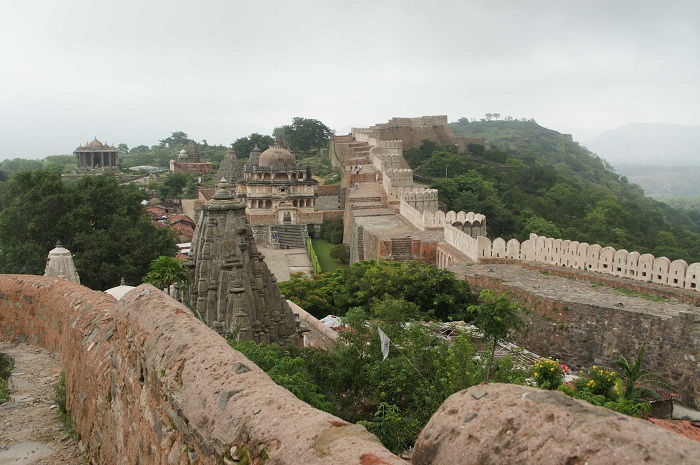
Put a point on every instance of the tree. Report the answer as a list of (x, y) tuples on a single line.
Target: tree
[(305, 134), (102, 223), (243, 146), (637, 380), (166, 270), (498, 318), (176, 140), (341, 252), (177, 186)]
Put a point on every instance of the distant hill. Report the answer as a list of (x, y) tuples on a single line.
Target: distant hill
[(539, 180), (649, 144), (664, 182)]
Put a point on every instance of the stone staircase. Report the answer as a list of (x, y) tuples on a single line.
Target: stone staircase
[(402, 249), (291, 235), (360, 244)]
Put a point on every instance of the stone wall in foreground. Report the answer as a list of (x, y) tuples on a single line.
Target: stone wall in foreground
[(147, 383)]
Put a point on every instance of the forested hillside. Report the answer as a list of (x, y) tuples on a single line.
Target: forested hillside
[(538, 180)]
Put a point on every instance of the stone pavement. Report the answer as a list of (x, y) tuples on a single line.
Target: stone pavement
[(571, 290), (282, 263), (31, 430)]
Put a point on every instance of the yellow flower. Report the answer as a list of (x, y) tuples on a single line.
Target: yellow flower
[(536, 374), (551, 369)]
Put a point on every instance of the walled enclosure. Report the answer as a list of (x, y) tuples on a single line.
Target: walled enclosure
[(148, 383)]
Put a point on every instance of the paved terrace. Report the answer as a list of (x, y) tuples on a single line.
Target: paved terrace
[(571, 290)]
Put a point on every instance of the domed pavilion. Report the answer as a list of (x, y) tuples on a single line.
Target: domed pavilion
[(276, 189), (95, 156)]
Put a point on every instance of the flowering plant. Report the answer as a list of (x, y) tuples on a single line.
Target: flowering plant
[(548, 373), (598, 380)]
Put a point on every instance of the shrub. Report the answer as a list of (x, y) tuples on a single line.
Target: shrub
[(599, 381), (548, 373)]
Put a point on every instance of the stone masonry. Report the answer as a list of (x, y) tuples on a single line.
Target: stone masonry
[(147, 383), (232, 287)]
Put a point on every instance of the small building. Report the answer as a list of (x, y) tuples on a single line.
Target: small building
[(96, 157), (188, 162)]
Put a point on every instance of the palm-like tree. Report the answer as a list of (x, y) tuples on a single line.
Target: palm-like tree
[(638, 381)]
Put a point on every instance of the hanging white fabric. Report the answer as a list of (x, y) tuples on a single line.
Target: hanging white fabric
[(385, 341)]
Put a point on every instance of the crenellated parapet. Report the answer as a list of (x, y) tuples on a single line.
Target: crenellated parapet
[(400, 177), (581, 256), (473, 224), (417, 122), (389, 161)]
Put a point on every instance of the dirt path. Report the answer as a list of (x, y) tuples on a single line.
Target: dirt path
[(31, 431)]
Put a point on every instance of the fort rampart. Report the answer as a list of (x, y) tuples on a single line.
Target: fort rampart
[(588, 331), (148, 383), (582, 256)]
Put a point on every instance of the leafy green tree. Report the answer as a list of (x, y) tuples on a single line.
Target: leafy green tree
[(305, 134), (498, 318), (332, 230), (102, 223), (243, 146), (341, 252), (18, 165), (177, 139), (33, 219), (638, 382), (166, 270), (177, 186), (538, 225)]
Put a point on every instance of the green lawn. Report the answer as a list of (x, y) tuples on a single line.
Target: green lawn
[(323, 252)]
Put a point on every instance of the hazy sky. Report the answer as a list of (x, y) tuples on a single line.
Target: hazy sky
[(135, 71)]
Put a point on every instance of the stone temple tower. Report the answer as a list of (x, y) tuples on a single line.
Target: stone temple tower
[(232, 287), (59, 263)]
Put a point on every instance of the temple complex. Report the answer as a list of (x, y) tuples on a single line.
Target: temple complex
[(232, 287), (188, 161), (96, 156)]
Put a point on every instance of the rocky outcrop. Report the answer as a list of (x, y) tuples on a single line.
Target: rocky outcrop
[(508, 424)]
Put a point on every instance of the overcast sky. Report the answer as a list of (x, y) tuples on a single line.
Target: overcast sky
[(135, 71)]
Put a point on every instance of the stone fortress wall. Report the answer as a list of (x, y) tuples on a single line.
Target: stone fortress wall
[(466, 232), (581, 256)]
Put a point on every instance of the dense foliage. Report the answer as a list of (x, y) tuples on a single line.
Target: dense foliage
[(498, 318), (244, 145), (304, 134), (165, 271), (537, 180), (416, 288), (393, 398), (102, 223)]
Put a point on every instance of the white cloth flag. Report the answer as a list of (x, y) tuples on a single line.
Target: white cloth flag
[(385, 343)]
